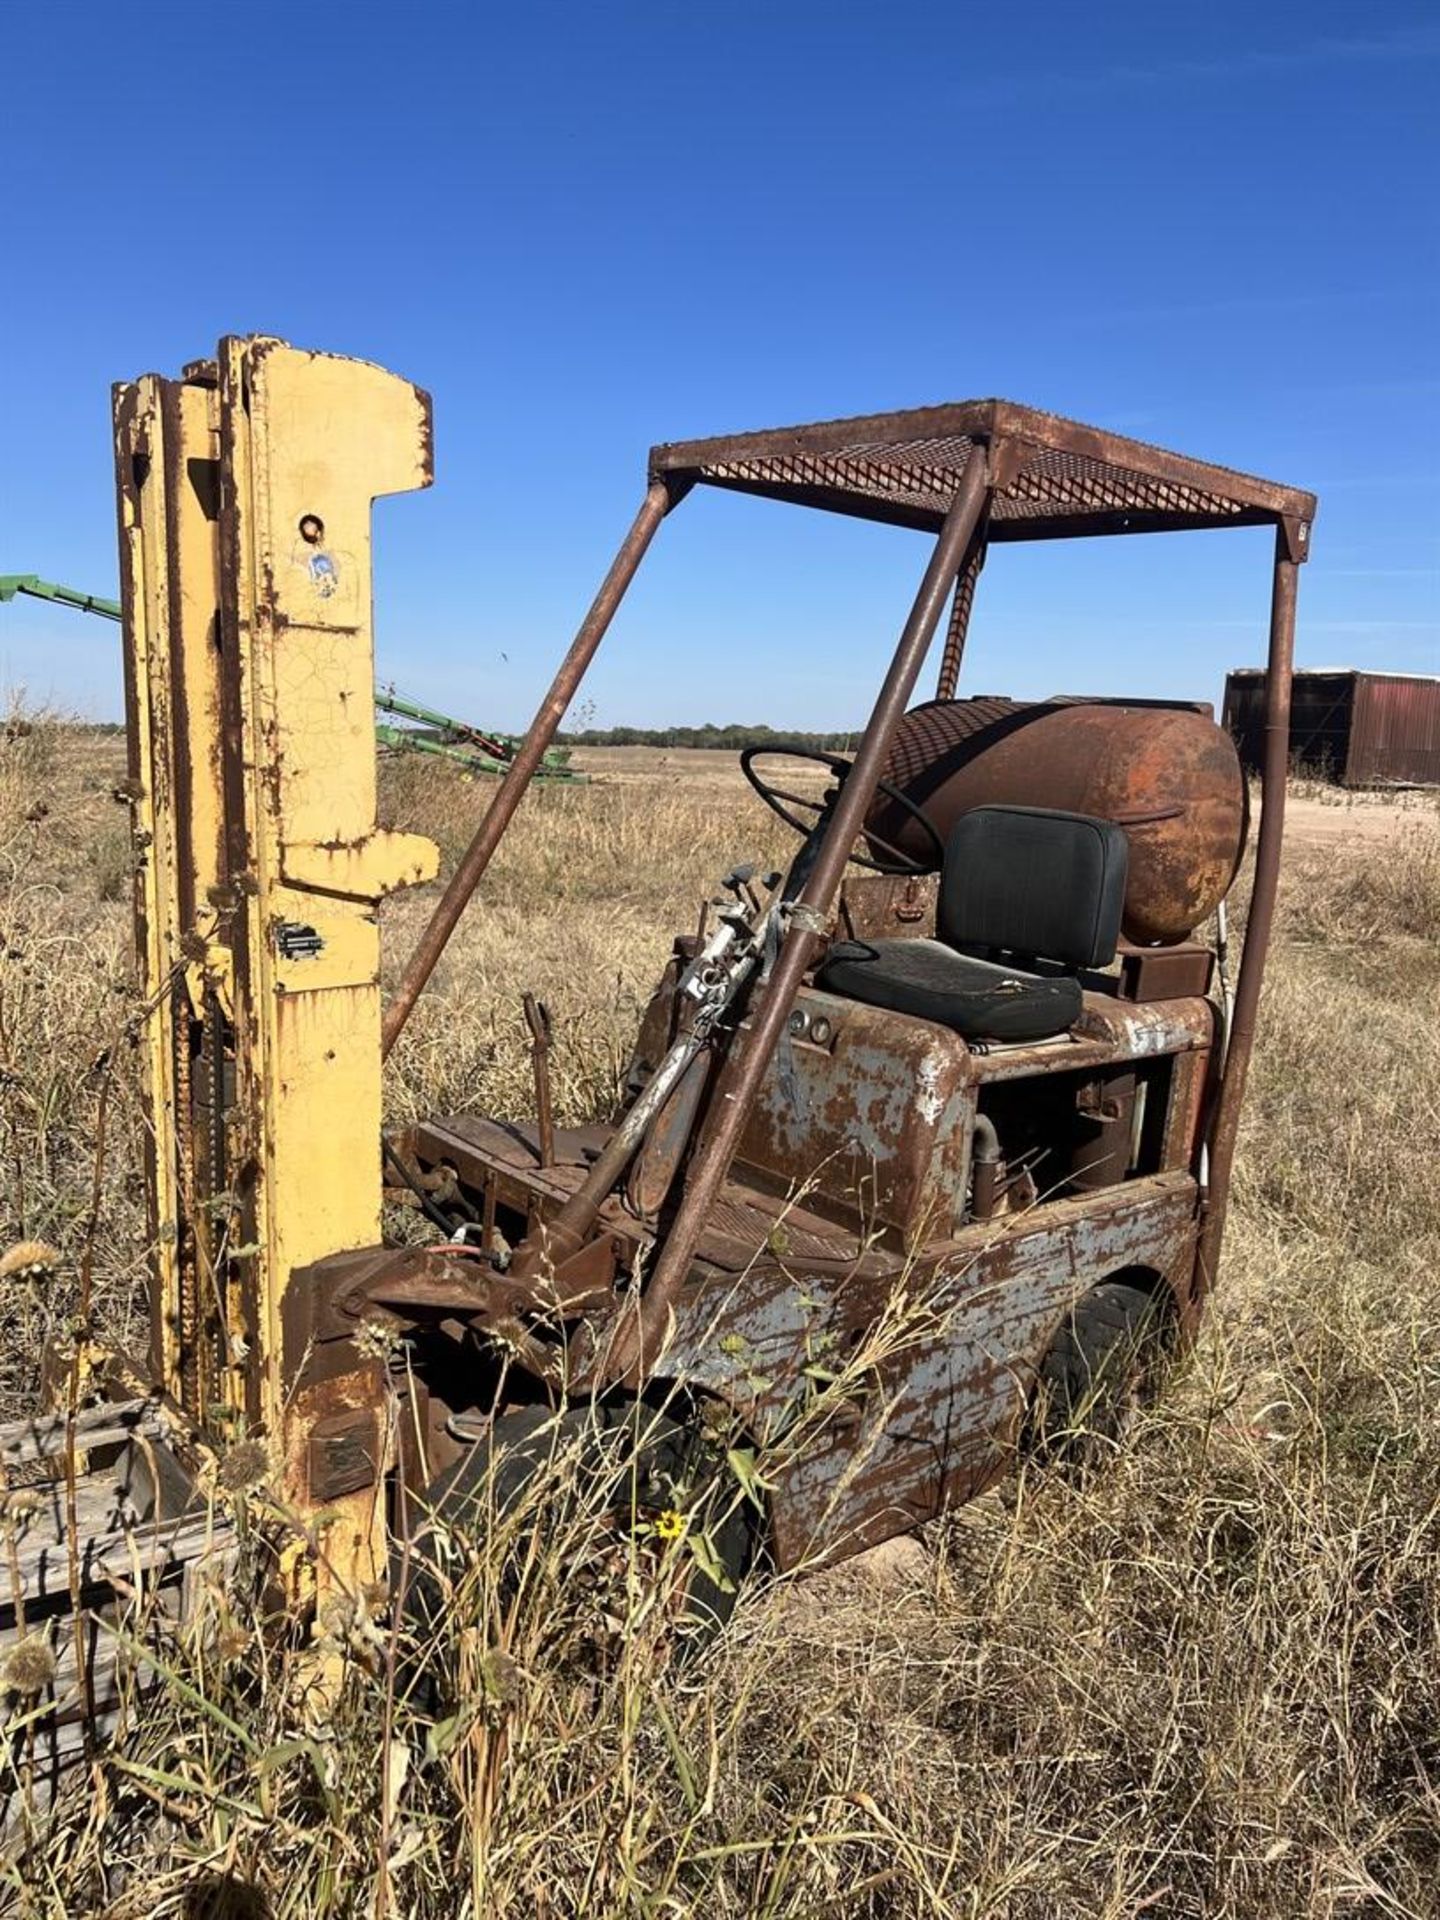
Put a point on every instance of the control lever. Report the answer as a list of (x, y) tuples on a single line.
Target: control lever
[(712, 984), (737, 881), (537, 1018)]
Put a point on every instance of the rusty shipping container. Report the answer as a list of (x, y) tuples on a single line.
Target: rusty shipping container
[(1359, 729)]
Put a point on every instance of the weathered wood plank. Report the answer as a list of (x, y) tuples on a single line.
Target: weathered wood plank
[(43, 1436), (124, 1560), (136, 1574)]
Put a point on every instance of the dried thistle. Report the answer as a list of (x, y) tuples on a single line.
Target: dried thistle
[(29, 1260), (500, 1677), (244, 1467), (17, 1508), (28, 1668), (377, 1339), (337, 1618), (232, 1641)]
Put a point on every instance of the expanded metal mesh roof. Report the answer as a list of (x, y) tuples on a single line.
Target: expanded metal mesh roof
[(1055, 477)]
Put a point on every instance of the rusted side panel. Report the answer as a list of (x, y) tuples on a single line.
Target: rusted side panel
[(1320, 720), (1181, 1141), (871, 1107), (1139, 1030), (1360, 729), (1394, 732), (876, 1121), (1108, 1031), (938, 1413)]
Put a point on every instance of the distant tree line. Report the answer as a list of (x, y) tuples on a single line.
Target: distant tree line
[(728, 739)]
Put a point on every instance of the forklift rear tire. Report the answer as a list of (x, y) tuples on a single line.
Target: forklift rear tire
[(671, 1475), (1100, 1367)]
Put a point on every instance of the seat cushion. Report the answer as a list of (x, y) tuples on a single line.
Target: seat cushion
[(974, 998), (1032, 881)]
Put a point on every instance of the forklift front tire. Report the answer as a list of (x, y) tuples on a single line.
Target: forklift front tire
[(627, 1474), (1101, 1365)]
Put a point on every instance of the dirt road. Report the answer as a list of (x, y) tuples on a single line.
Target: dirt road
[(1332, 817)]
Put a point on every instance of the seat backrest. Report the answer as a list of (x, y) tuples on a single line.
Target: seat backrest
[(1034, 883)]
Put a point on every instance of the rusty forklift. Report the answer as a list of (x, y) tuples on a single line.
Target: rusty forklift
[(975, 1049)]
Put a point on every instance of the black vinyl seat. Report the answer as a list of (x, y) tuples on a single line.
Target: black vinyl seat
[(1021, 888), (975, 998)]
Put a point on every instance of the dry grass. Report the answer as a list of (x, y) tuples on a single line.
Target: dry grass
[(1204, 1683)]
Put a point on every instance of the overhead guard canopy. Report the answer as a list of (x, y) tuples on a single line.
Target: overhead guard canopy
[(1054, 478)]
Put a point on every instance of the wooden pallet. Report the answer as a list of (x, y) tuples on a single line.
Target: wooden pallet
[(139, 1543)]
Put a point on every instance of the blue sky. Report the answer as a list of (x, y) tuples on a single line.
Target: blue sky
[(588, 228)]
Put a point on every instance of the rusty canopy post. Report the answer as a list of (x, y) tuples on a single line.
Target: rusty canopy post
[(1289, 551), (501, 811), (740, 1079), (960, 611)]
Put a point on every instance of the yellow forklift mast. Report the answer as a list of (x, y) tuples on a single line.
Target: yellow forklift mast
[(245, 490)]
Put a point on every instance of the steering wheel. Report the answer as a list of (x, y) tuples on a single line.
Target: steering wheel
[(780, 800)]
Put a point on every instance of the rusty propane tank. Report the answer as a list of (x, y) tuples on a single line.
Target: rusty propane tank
[(1168, 775)]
